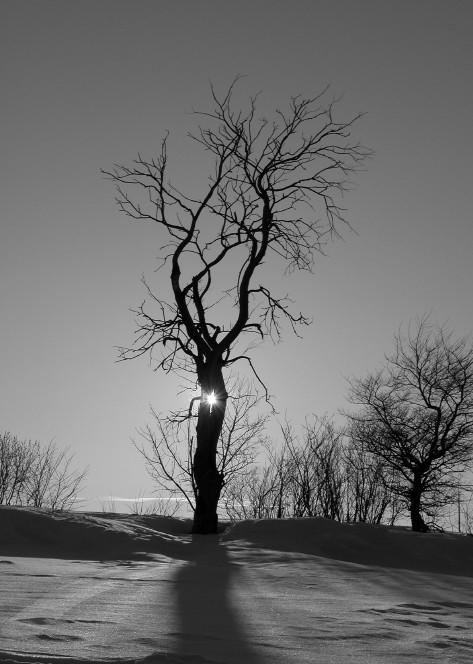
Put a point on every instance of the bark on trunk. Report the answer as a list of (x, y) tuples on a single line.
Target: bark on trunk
[(418, 523), (208, 480)]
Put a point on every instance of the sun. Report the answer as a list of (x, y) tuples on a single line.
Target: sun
[(211, 399)]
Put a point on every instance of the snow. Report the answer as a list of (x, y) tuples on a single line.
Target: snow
[(93, 587)]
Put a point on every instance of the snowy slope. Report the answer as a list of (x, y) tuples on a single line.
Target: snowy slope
[(117, 588)]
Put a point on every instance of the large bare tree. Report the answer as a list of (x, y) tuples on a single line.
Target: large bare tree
[(416, 414), (274, 193), (168, 447)]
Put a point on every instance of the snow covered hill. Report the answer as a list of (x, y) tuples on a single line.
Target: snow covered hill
[(83, 587)]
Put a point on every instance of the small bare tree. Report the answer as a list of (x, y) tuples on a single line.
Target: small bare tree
[(37, 476), (261, 491), (53, 481), (315, 469), (317, 473), (252, 493), (465, 512), (416, 414), (16, 461), (368, 493), (274, 194)]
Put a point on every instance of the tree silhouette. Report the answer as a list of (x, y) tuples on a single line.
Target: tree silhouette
[(37, 475), (274, 192), (416, 414), (168, 447)]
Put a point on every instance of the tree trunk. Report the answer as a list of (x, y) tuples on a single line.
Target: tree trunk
[(208, 480), (418, 523)]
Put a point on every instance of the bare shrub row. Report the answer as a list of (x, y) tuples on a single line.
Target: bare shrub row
[(37, 476)]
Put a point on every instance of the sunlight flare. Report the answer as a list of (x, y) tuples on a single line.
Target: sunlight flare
[(211, 399)]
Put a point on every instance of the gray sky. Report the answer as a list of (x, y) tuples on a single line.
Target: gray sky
[(87, 84)]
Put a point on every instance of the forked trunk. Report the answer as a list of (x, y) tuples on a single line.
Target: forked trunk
[(208, 480)]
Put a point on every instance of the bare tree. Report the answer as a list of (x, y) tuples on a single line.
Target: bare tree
[(261, 491), (169, 448), (368, 495), (16, 460), (416, 414), (53, 482), (37, 476), (315, 469), (317, 473), (465, 512), (251, 494), (274, 192)]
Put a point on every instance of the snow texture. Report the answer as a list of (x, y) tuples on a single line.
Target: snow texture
[(82, 587)]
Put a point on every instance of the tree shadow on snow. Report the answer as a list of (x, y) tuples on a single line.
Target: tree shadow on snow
[(209, 628)]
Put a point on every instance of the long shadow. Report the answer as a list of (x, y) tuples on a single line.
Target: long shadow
[(208, 624)]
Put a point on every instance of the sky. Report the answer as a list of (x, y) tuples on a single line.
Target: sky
[(89, 84)]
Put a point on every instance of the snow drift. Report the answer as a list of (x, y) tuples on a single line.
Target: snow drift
[(114, 588), (361, 543), (38, 532)]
